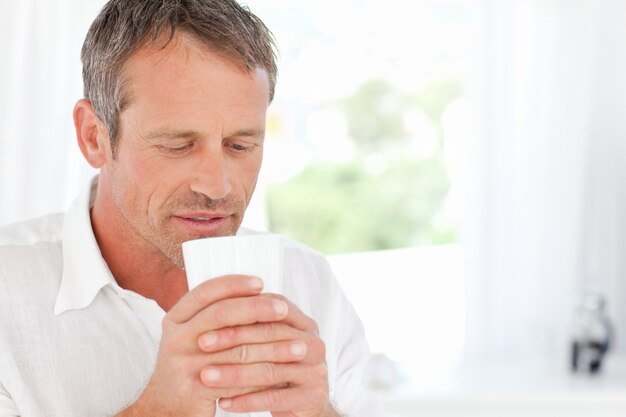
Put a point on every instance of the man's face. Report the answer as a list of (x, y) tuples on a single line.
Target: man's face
[(190, 146)]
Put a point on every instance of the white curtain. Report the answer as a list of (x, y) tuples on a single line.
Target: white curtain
[(547, 213), (41, 169)]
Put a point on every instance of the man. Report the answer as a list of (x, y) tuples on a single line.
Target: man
[(97, 319)]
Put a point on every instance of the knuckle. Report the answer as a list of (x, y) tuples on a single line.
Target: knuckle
[(319, 347), (315, 328), (198, 295), (319, 373), (218, 315), (243, 403), (322, 372), (272, 399), (229, 335), (322, 347), (270, 331), (320, 395), (242, 353), (276, 351), (269, 370)]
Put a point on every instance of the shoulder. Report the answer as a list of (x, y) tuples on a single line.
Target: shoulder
[(30, 251), (42, 229)]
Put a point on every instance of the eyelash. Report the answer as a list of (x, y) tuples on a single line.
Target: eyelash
[(235, 146), (178, 150), (240, 148)]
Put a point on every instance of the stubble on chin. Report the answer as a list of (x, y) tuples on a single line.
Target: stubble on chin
[(171, 245), (172, 250)]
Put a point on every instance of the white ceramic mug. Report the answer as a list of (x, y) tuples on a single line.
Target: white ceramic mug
[(259, 255)]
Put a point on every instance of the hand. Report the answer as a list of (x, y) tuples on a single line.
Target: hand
[(286, 357), (176, 386)]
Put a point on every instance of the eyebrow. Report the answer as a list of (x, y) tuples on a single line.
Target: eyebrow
[(171, 134), (254, 133), (185, 134)]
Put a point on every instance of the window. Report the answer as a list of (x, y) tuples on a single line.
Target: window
[(364, 159)]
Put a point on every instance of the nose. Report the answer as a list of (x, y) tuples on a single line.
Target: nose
[(211, 176)]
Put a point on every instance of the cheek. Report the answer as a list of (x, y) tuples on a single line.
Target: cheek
[(145, 167), (248, 175), (152, 181)]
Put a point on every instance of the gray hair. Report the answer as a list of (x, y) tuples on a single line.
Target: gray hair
[(125, 26)]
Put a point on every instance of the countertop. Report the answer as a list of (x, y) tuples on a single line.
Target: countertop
[(508, 388)]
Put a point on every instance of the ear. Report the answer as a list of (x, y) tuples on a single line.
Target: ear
[(91, 134)]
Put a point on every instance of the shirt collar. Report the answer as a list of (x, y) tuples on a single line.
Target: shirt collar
[(85, 272)]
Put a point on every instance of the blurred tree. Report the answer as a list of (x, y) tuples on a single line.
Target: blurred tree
[(434, 99), (344, 207), (374, 114)]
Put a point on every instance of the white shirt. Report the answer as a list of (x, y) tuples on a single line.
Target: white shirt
[(74, 343)]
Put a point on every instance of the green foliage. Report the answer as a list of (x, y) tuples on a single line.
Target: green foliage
[(374, 114), (341, 207), (434, 99)]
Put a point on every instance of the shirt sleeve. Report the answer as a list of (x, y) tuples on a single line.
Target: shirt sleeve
[(350, 395), (7, 405)]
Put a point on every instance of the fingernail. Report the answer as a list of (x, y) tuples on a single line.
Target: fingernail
[(298, 349), (280, 307), (212, 374), (208, 340), (256, 283), (226, 403)]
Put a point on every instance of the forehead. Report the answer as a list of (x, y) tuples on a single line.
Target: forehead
[(185, 71)]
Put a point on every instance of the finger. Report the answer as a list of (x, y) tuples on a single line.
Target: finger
[(296, 318), (261, 374), (212, 291), (229, 337), (280, 352), (237, 312), (278, 400), (228, 392)]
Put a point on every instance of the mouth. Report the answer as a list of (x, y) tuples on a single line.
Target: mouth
[(203, 224)]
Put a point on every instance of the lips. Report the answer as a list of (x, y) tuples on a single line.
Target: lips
[(203, 224)]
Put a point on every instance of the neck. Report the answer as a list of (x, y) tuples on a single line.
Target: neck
[(135, 265)]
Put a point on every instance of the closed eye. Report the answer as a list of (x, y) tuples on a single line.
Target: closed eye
[(177, 149), (240, 147)]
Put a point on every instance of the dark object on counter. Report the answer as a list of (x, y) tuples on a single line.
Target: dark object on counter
[(592, 334)]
